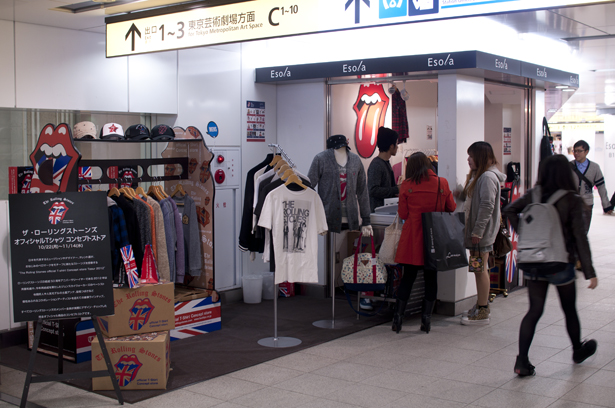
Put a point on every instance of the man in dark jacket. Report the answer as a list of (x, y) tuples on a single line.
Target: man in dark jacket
[(380, 178)]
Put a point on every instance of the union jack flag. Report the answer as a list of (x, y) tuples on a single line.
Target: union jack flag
[(57, 212), (511, 257), (140, 314), (85, 173), (130, 265)]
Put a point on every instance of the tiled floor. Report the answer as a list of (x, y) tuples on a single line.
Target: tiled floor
[(452, 366)]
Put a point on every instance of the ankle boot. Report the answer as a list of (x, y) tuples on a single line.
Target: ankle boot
[(427, 310), (400, 308)]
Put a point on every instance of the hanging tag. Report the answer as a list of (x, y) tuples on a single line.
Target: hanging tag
[(374, 261)]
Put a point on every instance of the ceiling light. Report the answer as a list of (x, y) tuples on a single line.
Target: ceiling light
[(568, 90), (561, 87)]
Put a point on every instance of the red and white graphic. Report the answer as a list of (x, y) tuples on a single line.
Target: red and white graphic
[(343, 179), (140, 312), (54, 158), (57, 212), (371, 107), (149, 271), (126, 369)]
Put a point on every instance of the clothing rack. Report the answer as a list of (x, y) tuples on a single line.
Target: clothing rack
[(428, 152), (275, 341), (277, 149)]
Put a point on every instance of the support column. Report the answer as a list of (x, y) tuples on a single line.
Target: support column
[(609, 154), (461, 122)]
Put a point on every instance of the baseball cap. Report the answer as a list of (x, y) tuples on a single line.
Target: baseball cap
[(337, 141), (180, 133), (112, 131), (84, 130), (162, 132), (137, 132), (193, 132)]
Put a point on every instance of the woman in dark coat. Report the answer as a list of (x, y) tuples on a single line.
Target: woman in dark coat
[(422, 191)]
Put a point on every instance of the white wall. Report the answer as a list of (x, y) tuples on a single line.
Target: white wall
[(461, 122), (7, 65), (152, 83)]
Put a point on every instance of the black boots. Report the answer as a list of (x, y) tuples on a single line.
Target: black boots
[(426, 312), (523, 367), (398, 317)]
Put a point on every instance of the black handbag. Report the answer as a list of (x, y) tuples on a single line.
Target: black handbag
[(502, 244), (443, 239)]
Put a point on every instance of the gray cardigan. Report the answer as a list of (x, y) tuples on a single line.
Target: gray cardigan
[(324, 173), (483, 209)]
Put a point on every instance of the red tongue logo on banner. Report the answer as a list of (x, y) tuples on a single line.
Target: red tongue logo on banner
[(370, 107)]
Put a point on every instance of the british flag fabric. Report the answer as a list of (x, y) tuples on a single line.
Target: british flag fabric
[(130, 265), (85, 173)]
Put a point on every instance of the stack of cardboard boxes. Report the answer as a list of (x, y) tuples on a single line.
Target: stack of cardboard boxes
[(137, 338)]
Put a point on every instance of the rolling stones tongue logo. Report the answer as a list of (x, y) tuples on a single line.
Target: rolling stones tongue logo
[(126, 369), (370, 107), (140, 313), (53, 159)]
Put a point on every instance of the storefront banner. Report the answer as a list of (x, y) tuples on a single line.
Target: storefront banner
[(60, 255), (417, 63), (262, 19)]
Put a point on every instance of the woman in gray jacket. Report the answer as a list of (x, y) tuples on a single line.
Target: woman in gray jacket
[(482, 214)]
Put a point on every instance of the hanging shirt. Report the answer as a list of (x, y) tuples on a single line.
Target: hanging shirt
[(399, 117), (119, 235), (295, 218), (192, 237)]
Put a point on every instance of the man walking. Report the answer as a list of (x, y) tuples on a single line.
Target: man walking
[(587, 175)]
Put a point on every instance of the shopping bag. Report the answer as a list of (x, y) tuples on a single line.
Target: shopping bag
[(476, 261), (364, 271), (443, 241), (388, 248), (502, 244)]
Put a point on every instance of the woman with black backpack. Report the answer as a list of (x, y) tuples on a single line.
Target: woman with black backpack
[(555, 174)]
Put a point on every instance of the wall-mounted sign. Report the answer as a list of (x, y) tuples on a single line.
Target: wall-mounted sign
[(212, 129), (371, 108), (60, 255), (507, 141), (417, 63), (255, 121), (260, 19)]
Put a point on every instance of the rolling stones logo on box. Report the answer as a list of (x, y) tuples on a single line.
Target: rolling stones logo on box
[(371, 107), (140, 313), (126, 369), (54, 158)]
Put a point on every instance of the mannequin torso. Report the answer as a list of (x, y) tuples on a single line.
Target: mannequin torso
[(341, 156)]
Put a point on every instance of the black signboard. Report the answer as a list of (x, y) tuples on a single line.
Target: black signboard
[(60, 255)]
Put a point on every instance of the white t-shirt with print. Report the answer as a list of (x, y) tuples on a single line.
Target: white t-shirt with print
[(295, 218)]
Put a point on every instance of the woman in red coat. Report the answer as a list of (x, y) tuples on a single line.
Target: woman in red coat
[(422, 191)]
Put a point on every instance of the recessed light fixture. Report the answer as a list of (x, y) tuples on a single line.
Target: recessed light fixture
[(568, 90), (561, 87)]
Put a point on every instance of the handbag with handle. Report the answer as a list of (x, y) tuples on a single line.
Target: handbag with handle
[(502, 244), (364, 271), (477, 262), (443, 239), (388, 248)]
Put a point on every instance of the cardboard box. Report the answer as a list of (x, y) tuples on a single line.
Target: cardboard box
[(196, 317), (78, 336), (184, 294), (141, 362), (146, 309)]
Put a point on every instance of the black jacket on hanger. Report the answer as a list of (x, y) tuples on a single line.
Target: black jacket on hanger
[(247, 240)]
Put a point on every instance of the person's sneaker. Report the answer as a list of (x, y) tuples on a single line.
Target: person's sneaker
[(480, 317), (523, 367), (472, 311), (588, 348), (366, 304)]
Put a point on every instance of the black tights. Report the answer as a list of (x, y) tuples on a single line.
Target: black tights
[(410, 272), (537, 291)]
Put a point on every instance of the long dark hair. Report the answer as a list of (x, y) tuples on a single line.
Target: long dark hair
[(417, 168), (554, 173), (483, 157)]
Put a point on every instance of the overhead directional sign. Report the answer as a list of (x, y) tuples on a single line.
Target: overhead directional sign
[(252, 20)]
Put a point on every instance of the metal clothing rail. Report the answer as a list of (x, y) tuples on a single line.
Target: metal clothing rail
[(275, 341), (278, 149)]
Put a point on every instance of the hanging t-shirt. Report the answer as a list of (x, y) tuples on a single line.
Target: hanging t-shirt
[(343, 178), (295, 218)]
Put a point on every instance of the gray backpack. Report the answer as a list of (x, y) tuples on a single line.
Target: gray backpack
[(541, 244)]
